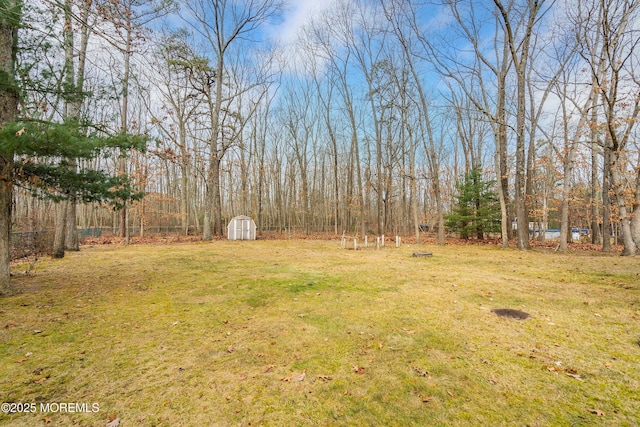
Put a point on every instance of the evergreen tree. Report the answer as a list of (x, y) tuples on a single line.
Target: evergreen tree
[(476, 210), (10, 11), (36, 153)]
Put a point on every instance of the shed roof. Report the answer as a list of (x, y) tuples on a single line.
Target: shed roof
[(241, 217)]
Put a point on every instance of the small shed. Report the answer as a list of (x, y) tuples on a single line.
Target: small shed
[(241, 228)]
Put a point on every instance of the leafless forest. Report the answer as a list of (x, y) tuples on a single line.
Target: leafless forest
[(362, 120)]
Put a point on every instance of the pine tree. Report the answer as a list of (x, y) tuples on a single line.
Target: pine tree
[(476, 210), (36, 153)]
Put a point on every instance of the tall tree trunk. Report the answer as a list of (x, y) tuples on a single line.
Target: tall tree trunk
[(596, 235), (60, 229), (630, 247), (520, 55), (9, 23), (635, 214), (122, 162), (504, 218), (521, 177), (71, 242), (606, 199), (75, 84)]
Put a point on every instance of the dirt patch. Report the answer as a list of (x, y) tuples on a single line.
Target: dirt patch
[(511, 313)]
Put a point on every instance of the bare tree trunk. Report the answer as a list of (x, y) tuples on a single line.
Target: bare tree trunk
[(502, 170), (60, 229), (504, 224), (520, 54), (606, 200), (124, 126), (635, 214), (596, 235), (75, 82), (630, 247), (71, 238)]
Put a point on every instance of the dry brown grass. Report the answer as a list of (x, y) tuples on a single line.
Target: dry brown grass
[(303, 333)]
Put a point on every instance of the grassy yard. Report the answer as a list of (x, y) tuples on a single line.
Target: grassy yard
[(302, 333)]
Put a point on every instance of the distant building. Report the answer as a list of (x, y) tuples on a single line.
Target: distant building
[(241, 228), (554, 233)]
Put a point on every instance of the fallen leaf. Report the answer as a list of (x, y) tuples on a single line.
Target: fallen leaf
[(324, 378), (41, 380), (47, 420), (597, 412), (301, 377), (269, 368), (230, 349), (22, 359), (574, 376), (450, 394), (426, 399), (114, 423), (21, 132), (358, 369), (242, 377), (285, 379)]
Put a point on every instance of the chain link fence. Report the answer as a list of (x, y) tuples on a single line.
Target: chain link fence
[(38, 243)]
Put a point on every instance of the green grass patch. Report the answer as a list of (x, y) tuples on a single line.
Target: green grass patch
[(303, 333)]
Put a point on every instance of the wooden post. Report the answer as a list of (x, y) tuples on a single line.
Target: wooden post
[(343, 242), (382, 240), (355, 244), (366, 241), (397, 241), (377, 242)]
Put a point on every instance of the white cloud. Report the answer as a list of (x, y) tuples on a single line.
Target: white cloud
[(296, 16), (286, 34)]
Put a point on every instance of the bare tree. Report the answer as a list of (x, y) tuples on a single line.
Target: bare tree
[(518, 26), (404, 26), (473, 81), (609, 42), (178, 71), (222, 24), (330, 34)]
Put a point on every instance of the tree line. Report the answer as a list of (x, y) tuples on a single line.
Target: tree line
[(370, 121)]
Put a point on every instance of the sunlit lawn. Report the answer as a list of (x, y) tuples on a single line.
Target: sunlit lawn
[(287, 333)]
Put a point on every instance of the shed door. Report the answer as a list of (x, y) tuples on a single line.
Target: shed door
[(246, 229)]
